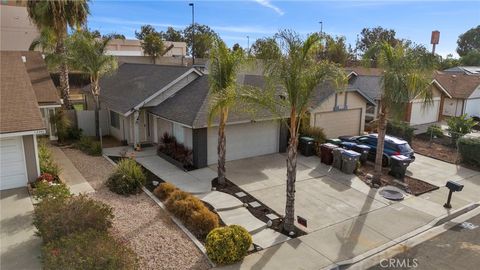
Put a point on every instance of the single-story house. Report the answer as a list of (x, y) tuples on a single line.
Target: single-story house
[(339, 112), (468, 70), (44, 88), (144, 101), (20, 122), (417, 112), (464, 93)]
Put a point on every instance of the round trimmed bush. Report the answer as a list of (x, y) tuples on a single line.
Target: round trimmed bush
[(175, 196), (227, 245), (88, 250), (55, 218), (164, 190), (128, 178), (202, 222), (184, 208)]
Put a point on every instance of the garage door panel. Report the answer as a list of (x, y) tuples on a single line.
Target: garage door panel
[(12, 163), (245, 140), (424, 114), (339, 123)]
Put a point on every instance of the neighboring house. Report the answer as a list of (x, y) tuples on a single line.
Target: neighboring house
[(145, 101), (20, 123), (133, 47), (468, 70), (45, 91), (16, 30), (417, 112), (339, 112), (464, 93)]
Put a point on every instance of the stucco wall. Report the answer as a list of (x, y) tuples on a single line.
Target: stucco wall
[(354, 101), (452, 107), (30, 157)]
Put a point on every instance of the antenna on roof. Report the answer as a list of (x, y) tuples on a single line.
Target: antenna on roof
[(434, 39)]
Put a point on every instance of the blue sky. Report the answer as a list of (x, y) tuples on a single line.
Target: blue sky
[(235, 20)]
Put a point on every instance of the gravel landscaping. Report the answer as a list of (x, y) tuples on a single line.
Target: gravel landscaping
[(148, 229)]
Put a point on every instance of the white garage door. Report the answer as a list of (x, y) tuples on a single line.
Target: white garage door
[(339, 123), (13, 172), (245, 140), (423, 115)]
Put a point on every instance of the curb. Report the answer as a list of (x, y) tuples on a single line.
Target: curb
[(177, 222), (399, 244)]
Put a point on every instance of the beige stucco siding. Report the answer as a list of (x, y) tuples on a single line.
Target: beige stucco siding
[(343, 120)]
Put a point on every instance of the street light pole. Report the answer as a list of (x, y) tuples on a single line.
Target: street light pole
[(321, 28), (248, 44), (193, 32)]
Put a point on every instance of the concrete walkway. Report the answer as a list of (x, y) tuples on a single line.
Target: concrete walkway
[(20, 248), (347, 220), (69, 173)]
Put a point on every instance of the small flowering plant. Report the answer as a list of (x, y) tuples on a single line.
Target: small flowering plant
[(46, 177)]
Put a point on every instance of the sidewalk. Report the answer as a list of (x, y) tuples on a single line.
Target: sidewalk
[(69, 174)]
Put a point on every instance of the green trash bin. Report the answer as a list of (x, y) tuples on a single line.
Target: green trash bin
[(307, 146)]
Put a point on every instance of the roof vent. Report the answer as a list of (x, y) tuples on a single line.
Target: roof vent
[(24, 59)]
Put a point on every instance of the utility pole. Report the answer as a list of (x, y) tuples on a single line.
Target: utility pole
[(248, 45), (321, 28), (193, 32)]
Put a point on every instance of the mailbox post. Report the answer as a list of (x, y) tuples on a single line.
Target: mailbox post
[(453, 187)]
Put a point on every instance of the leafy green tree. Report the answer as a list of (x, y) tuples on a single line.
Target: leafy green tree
[(371, 36), (336, 50), (294, 70), (153, 46), (115, 36), (237, 47), (57, 15), (448, 62), (224, 66), (88, 55), (204, 38), (407, 75), (144, 31), (472, 58), (265, 48), (172, 35), (469, 41)]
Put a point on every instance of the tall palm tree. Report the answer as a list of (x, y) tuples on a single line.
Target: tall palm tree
[(224, 65), (406, 76), (296, 71), (88, 56), (57, 15)]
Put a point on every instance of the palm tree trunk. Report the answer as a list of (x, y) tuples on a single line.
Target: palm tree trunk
[(221, 147), (382, 127), (289, 220), (96, 97), (64, 83)]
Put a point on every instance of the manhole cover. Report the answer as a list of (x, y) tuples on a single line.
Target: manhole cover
[(391, 193)]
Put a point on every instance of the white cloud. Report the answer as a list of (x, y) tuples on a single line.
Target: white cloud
[(268, 4)]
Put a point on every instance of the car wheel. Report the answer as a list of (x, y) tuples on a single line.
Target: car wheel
[(385, 161)]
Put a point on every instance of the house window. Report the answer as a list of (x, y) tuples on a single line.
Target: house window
[(114, 119)]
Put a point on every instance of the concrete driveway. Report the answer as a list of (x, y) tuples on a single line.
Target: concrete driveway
[(347, 220), (20, 248)]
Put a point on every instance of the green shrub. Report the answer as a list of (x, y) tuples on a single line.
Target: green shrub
[(202, 221), (192, 212), (164, 190), (89, 146), (45, 190), (435, 131), (47, 165), (62, 124), (88, 250), (401, 130), (128, 178), (228, 245), (459, 126), (316, 133), (469, 149), (55, 218), (74, 133)]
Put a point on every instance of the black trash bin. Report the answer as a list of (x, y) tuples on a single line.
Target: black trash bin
[(363, 151), (337, 157), (307, 146), (398, 166)]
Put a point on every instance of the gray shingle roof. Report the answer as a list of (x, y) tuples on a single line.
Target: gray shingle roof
[(133, 83), (371, 86)]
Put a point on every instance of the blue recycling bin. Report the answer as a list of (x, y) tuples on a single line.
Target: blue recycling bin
[(349, 161), (348, 145), (363, 150)]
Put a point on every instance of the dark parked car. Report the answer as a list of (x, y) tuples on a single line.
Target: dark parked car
[(393, 146)]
